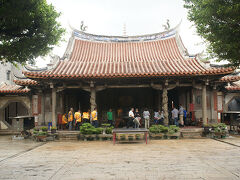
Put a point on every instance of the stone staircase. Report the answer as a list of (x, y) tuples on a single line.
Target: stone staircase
[(68, 135), (191, 133), (9, 132)]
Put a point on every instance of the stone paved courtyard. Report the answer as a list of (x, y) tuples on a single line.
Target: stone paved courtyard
[(160, 159)]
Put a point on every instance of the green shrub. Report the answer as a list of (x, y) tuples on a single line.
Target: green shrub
[(36, 129), (98, 131), (87, 128), (173, 129), (54, 128), (155, 129), (44, 128), (220, 128), (109, 130), (42, 133)]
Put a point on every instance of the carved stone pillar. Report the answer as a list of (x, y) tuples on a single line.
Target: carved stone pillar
[(165, 104), (43, 108), (93, 98), (54, 99), (204, 104)]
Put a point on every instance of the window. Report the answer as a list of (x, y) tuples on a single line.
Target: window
[(8, 75)]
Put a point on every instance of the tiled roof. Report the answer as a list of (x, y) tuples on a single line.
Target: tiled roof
[(230, 78), (235, 86), (160, 57), (25, 82), (12, 89)]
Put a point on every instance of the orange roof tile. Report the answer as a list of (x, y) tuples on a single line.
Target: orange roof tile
[(12, 89), (25, 82), (109, 58)]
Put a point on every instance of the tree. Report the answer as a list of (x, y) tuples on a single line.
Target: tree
[(28, 29), (218, 22)]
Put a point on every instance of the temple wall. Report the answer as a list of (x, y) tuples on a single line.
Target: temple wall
[(211, 113), (46, 108), (24, 107)]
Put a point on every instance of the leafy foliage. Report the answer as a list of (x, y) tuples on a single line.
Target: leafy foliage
[(41, 133), (173, 129), (28, 29), (109, 130), (44, 128), (155, 129), (87, 128), (219, 23)]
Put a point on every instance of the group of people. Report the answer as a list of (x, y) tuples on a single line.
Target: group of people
[(135, 118), (74, 120), (178, 116)]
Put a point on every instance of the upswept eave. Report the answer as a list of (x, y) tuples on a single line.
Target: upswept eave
[(154, 55), (12, 89)]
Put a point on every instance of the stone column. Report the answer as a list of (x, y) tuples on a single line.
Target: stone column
[(54, 99), (93, 98), (165, 104), (204, 104), (43, 108)]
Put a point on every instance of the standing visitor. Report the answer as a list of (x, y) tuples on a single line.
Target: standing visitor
[(130, 118), (94, 118), (70, 119), (86, 117), (161, 117), (175, 116), (78, 119), (119, 117), (146, 116), (181, 113), (64, 121), (184, 116), (137, 118), (156, 117), (110, 117)]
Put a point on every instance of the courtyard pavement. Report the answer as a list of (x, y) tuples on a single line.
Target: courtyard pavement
[(160, 159)]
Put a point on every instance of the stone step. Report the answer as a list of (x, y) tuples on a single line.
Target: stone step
[(191, 134), (9, 132)]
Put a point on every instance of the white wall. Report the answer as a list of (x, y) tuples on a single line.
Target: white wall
[(4, 68)]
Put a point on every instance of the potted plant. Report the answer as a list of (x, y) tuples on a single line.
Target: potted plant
[(220, 130), (41, 136), (53, 130), (157, 131), (130, 137), (173, 132), (44, 129), (122, 137), (138, 136)]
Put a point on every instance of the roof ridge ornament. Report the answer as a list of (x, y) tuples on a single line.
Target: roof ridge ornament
[(106, 38)]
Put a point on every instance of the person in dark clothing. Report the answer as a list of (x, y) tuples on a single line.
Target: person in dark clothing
[(137, 118)]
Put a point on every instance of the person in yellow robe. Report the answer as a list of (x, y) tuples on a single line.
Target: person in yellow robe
[(78, 119), (94, 118), (86, 117), (70, 119), (64, 121)]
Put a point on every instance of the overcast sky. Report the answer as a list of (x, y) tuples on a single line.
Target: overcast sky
[(107, 17)]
